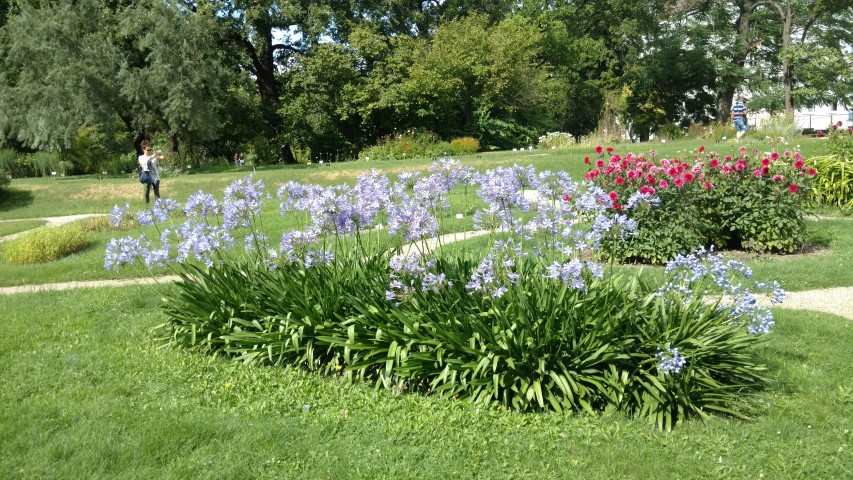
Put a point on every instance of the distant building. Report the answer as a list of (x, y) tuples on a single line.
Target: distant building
[(821, 117)]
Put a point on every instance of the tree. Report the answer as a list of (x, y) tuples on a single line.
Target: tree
[(147, 64)]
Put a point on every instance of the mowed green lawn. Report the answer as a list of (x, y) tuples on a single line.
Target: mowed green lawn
[(87, 393)]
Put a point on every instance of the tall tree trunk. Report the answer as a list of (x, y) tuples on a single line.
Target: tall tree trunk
[(742, 49), (787, 68)]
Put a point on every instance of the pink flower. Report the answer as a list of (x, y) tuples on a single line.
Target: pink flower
[(688, 177), (838, 124), (777, 178), (653, 152), (663, 184), (820, 134), (812, 172), (679, 182), (647, 190), (599, 149), (793, 188), (765, 162), (709, 185), (715, 163), (728, 158), (757, 173), (702, 149), (799, 164), (599, 163), (774, 156), (741, 150), (567, 198)]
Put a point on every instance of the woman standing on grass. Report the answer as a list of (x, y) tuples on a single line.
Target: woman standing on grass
[(148, 163)]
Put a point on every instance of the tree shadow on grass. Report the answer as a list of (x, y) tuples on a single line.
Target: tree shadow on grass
[(10, 199)]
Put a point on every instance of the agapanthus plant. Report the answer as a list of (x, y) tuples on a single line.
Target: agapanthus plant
[(530, 322)]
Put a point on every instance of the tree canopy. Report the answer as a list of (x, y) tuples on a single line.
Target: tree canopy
[(287, 79)]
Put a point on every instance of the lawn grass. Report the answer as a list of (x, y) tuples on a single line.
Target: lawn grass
[(17, 226), (40, 197), (88, 394)]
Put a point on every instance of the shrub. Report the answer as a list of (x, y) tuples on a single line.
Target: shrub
[(670, 131), (754, 202), (533, 328), (408, 144), (464, 146), (697, 131), (841, 142), (555, 140), (778, 128), (5, 181), (45, 244)]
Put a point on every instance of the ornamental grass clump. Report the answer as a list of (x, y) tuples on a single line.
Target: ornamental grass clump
[(752, 201), (359, 292), (45, 244)]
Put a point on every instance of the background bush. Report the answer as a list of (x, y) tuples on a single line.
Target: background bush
[(45, 244), (464, 146)]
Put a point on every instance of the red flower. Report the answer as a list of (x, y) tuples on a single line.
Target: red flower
[(765, 162), (812, 172), (765, 170), (799, 164), (616, 206), (613, 196), (820, 134), (599, 149), (567, 198), (793, 188), (647, 190), (774, 156), (715, 163), (702, 149), (688, 177), (586, 160), (609, 150), (599, 163)]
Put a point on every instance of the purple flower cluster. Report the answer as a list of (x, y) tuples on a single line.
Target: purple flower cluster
[(407, 273), (203, 205), (119, 215), (497, 270), (689, 274), (572, 273), (242, 203), (670, 361)]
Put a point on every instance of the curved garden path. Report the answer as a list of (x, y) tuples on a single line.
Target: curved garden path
[(837, 301)]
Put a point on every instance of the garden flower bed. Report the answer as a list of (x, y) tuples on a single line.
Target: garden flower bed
[(530, 323)]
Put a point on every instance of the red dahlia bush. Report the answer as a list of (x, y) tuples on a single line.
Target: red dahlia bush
[(749, 201)]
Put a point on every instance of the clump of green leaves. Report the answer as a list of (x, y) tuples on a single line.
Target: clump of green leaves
[(834, 182), (45, 244)]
